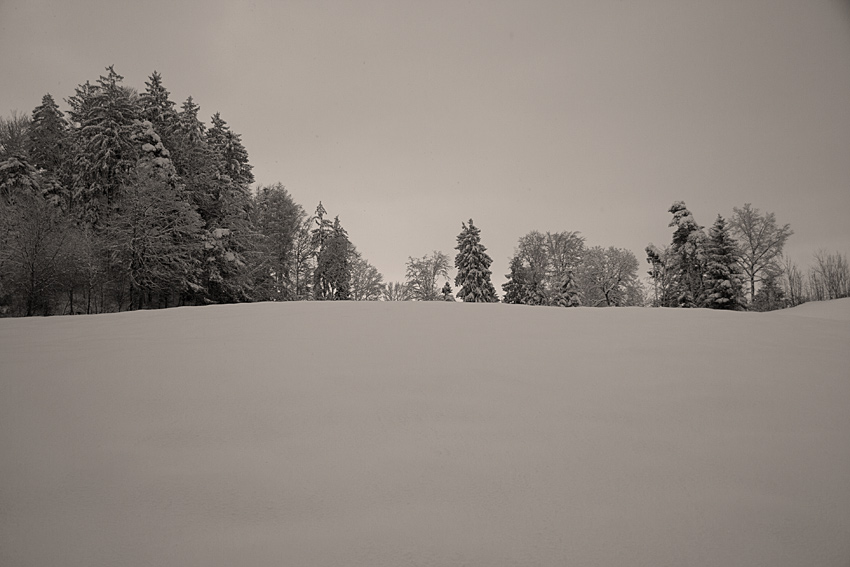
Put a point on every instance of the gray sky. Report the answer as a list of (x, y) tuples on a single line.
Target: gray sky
[(406, 118)]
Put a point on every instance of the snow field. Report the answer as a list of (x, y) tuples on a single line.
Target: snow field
[(387, 434)]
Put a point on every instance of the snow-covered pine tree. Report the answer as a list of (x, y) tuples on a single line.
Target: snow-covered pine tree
[(473, 267), (447, 292), (723, 278), (47, 138), (232, 155), (516, 287), (157, 107), (688, 256), (105, 154), (332, 276), (160, 111), (770, 296), (567, 295), (277, 219)]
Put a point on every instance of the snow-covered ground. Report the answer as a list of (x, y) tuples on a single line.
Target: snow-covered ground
[(394, 434)]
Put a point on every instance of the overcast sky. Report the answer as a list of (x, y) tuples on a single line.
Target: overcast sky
[(406, 118)]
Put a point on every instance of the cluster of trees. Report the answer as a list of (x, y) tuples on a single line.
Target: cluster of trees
[(555, 269), (129, 202), (560, 269), (738, 265), (473, 273)]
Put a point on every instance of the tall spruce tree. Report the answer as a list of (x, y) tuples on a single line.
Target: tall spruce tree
[(332, 276), (47, 139), (567, 294), (516, 288), (105, 153), (688, 255), (723, 277), (473, 267), (232, 155), (158, 109), (278, 219)]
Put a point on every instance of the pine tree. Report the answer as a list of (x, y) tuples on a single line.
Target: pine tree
[(473, 266), (332, 276), (104, 151), (723, 277), (516, 288), (662, 276), (688, 256), (158, 109), (278, 219), (47, 137), (567, 295), (17, 178), (157, 106), (770, 296), (232, 155), (323, 229), (447, 292)]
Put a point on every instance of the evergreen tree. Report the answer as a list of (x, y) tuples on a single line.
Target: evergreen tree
[(47, 136), (723, 278), (447, 292), (158, 109), (157, 106), (688, 256), (47, 146), (196, 164), (18, 177), (568, 294), (332, 276), (323, 229), (770, 296), (153, 157), (105, 154), (278, 219), (473, 266), (516, 288), (662, 276), (232, 155)]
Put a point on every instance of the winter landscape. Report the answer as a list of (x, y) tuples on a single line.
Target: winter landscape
[(391, 283), (426, 433)]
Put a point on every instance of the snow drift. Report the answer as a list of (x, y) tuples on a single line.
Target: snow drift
[(388, 434)]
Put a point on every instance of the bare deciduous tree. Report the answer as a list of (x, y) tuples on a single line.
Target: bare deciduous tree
[(367, 283), (829, 278), (396, 291), (422, 274), (761, 242), (608, 276), (792, 282)]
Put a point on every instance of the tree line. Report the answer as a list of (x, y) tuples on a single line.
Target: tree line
[(131, 202)]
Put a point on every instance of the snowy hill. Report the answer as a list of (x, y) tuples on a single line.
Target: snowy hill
[(389, 434)]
